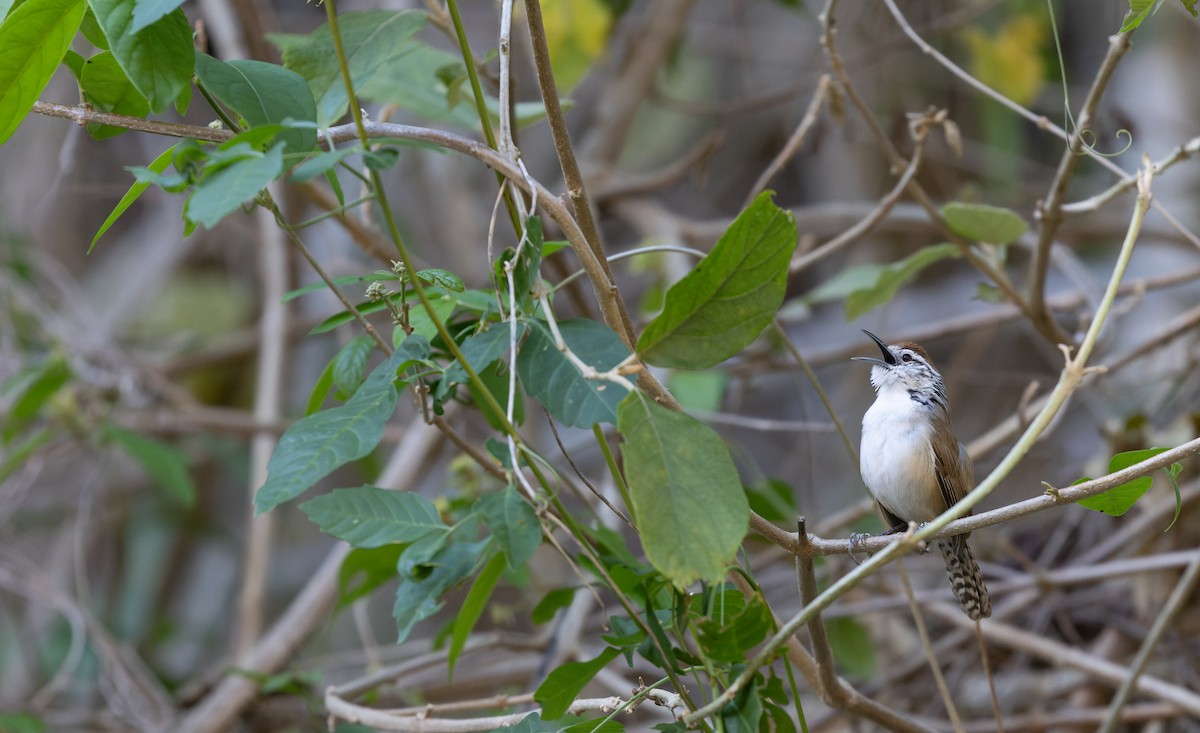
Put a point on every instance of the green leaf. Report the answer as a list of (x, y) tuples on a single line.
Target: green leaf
[(262, 94), (20, 451), (852, 647), (983, 223), (158, 165), (471, 609), (165, 463), (431, 572), (158, 59), (320, 390), (482, 349), (525, 270), (368, 516), (442, 279), (550, 604), (1117, 500), (21, 723), (687, 498), (350, 365), (699, 390), (411, 82), (513, 523), (149, 11), (531, 723), (594, 725), (318, 444), (1190, 6), (744, 712), (319, 164), (1138, 11), (33, 40), (364, 570), (372, 40), (723, 304), (891, 277), (108, 89), (49, 378), (773, 499), (744, 627), (221, 193), (420, 320), (555, 382), (564, 684)]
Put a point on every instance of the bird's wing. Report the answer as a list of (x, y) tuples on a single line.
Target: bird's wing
[(955, 474)]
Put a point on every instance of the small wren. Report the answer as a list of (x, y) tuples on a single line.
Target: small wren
[(912, 463)]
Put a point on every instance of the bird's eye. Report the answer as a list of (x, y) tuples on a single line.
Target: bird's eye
[(906, 357)]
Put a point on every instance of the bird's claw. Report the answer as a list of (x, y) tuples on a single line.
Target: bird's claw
[(856, 538)]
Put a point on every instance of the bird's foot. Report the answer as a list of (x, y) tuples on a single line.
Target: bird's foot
[(923, 545), (856, 539)]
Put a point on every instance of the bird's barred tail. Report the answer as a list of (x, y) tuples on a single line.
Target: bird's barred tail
[(965, 577)]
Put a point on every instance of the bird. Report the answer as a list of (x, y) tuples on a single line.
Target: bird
[(912, 463)]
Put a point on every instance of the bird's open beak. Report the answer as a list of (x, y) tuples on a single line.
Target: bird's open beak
[(888, 359)]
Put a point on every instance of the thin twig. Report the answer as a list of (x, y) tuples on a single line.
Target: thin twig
[(794, 142)]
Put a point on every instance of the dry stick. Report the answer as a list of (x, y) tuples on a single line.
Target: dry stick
[(1092, 203), (1176, 600), (938, 678), (268, 403), (794, 142), (1072, 376), (998, 277), (307, 611), (867, 223), (1049, 212), (1041, 721), (576, 190), (1061, 654)]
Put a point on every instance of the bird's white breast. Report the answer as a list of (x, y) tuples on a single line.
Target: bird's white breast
[(896, 457)]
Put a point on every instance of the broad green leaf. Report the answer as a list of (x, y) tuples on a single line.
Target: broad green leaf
[(1139, 10), (742, 715), (364, 570), (149, 11), (699, 390), (21, 723), (318, 444), (320, 390), (33, 40), (108, 89), (983, 223), (773, 499), (411, 82), (688, 501), (372, 40), (531, 723), (576, 34), (564, 684), (320, 164), (165, 463), (368, 516), (723, 304), (262, 94), (439, 569), (481, 349), (554, 381), (892, 277), (158, 59), (420, 320), (844, 282), (550, 604), (744, 627), (525, 270), (852, 647), (442, 279), (471, 609), (46, 380), (350, 364), (1117, 500), (513, 523), (221, 193)]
